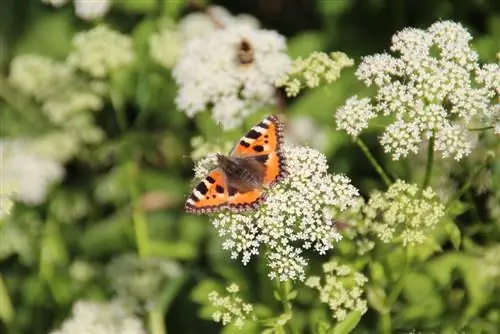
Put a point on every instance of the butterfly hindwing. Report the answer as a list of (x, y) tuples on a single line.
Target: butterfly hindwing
[(210, 195)]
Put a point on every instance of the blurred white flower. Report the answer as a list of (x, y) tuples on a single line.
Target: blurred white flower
[(341, 289), (101, 318), (165, 46), (435, 88), (85, 9), (314, 70), (294, 217), (92, 9), (100, 51), (231, 308), (403, 213), (201, 23), (210, 73), (302, 130), (353, 117), (30, 173)]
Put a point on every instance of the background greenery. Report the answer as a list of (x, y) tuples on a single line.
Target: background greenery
[(125, 194)]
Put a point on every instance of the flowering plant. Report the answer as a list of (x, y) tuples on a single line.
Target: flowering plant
[(367, 203)]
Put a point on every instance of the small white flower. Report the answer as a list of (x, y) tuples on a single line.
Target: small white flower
[(100, 51), (231, 309), (210, 75), (101, 318), (92, 9), (353, 117), (295, 216), (165, 45), (27, 171)]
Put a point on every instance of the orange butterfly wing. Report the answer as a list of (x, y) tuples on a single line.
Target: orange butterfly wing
[(265, 138), (210, 195)]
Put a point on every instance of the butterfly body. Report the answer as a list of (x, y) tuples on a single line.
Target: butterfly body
[(239, 180)]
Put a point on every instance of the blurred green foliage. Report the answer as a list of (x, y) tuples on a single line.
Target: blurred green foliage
[(125, 194)]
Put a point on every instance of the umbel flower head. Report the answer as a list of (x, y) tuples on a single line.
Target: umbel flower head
[(403, 213), (101, 318), (230, 308), (341, 289), (295, 216), (314, 70), (434, 88), (140, 280), (230, 72)]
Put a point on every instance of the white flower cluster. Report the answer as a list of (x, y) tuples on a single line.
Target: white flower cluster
[(231, 309), (314, 70), (101, 318), (141, 280), (403, 213), (215, 17), (165, 45), (66, 99), (210, 73), (353, 117), (29, 173), (295, 216), (100, 51), (85, 9), (342, 289), (435, 88)]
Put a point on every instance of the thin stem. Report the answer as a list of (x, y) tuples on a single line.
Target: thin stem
[(467, 185), (430, 163), (138, 217), (156, 323), (6, 309), (481, 129), (373, 161)]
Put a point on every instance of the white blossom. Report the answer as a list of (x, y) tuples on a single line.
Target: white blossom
[(101, 318), (295, 216), (434, 86), (100, 51), (29, 173), (353, 117), (92, 9), (210, 75), (231, 308)]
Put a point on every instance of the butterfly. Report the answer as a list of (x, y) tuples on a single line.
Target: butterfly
[(238, 182)]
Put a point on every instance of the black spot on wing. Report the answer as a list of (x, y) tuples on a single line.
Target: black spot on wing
[(258, 148), (193, 197), (262, 158), (244, 143), (202, 188), (263, 125), (252, 134), (231, 191), (219, 189), (210, 179)]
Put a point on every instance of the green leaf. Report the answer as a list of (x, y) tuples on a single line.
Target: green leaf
[(378, 299), (348, 324), (454, 234), (140, 7)]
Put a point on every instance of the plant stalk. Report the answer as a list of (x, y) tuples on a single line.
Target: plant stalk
[(430, 163), (373, 161)]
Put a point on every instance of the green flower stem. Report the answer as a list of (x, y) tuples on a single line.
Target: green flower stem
[(6, 309), (373, 161), (430, 162), (138, 217), (156, 323), (155, 316), (467, 184), (481, 129)]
